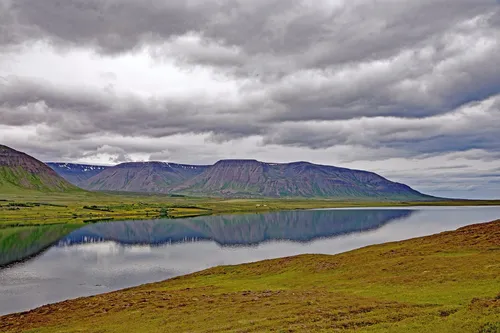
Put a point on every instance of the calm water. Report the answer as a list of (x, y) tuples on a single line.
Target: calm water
[(109, 256)]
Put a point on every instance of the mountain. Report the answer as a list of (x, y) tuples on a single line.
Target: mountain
[(239, 178), (76, 174), (19, 171), (157, 177), (251, 178)]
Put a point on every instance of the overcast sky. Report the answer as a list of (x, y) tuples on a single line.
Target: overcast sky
[(406, 88)]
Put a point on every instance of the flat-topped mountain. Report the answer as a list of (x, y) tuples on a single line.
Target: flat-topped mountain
[(239, 178), (19, 171), (157, 177), (249, 178), (74, 173)]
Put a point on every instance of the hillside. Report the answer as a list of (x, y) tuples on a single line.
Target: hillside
[(442, 283), (76, 174), (157, 177), (21, 172), (250, 178)]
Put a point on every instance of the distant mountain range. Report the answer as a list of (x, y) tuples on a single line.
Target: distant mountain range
[(226, 178), (242, 178), (153, 177), (249, 178), (76, 174), (21, 172)]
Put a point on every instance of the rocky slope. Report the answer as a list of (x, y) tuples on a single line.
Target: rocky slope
[(158, 177), (19, 171), (76, 174), (250, 178)]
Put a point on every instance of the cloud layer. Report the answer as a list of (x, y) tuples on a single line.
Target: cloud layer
[(402, 87)]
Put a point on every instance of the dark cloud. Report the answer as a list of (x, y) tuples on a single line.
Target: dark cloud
[(322, 61), (331, 32), (110, 26), (71, 115), (383, 78)]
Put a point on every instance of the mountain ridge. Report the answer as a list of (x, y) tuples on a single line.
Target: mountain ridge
[(296, 179), (76, 173), (230, 178), (151, 177), (250, 178)]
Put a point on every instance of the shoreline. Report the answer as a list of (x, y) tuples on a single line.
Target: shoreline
[(96, 207)]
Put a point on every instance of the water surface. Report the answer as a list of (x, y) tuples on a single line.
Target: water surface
[(109, 256)]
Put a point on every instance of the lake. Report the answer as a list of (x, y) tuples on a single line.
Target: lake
[(53, 263)]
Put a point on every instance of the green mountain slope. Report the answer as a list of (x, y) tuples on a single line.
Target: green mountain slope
[(20, 172)]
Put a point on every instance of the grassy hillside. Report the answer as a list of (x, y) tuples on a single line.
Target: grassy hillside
[(21, 172), (448, 282), (18, 180)]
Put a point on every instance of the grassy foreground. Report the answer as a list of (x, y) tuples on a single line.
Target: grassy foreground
[(37, 208), (449, 282)]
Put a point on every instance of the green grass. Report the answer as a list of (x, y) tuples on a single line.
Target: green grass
[(32, 207), (16, 180), (448, 282)]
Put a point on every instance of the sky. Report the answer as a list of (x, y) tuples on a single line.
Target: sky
[(408, 89)]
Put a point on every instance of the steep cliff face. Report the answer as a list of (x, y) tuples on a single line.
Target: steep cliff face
[(299, 179), (157, 177), (19, 171), (75, 173)]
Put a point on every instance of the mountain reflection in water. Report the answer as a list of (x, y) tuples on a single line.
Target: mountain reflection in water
[(104, 257), (244, 229)]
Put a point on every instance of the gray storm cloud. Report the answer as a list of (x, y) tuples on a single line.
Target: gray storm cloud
[(409, 78)]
